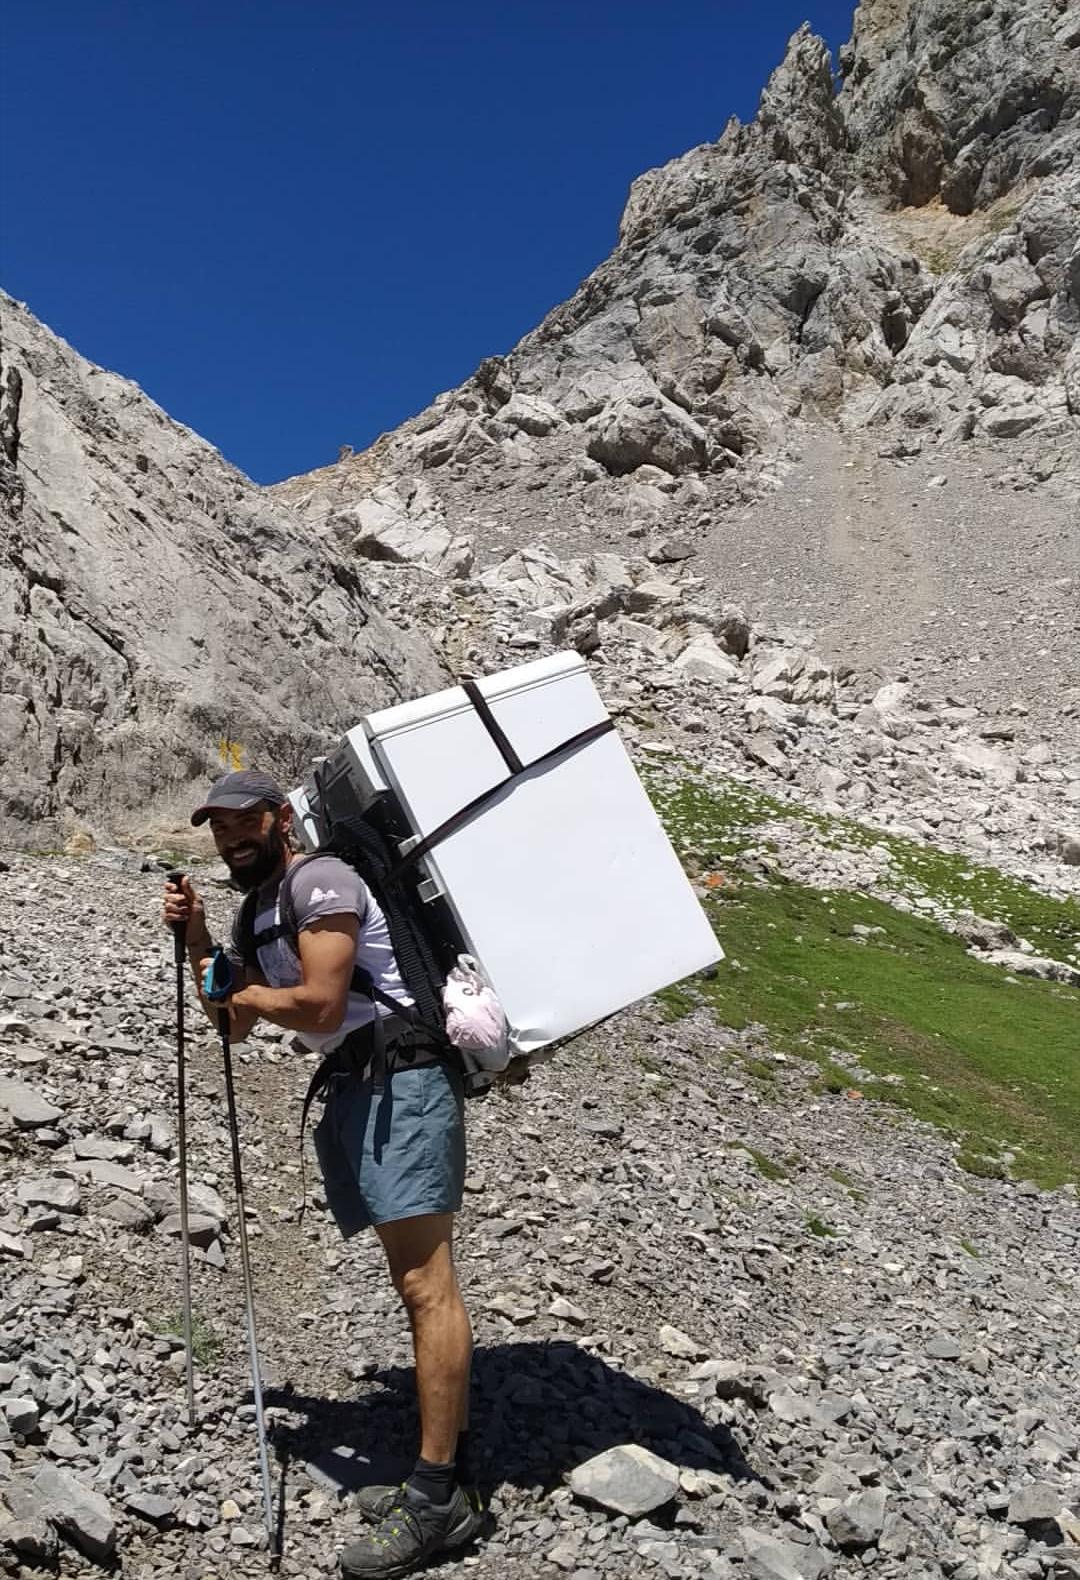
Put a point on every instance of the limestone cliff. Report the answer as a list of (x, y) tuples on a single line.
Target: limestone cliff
[(158, 613)]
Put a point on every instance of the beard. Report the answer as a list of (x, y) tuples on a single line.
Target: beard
[(258, 860)]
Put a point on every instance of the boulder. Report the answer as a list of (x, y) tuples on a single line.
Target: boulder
[(50, 1190), (705, 659), (858, 1521), (983, 762), (529, 414), (627, 1480), (769, 1558), (25, 1108), (649, 431), (79, 1513)]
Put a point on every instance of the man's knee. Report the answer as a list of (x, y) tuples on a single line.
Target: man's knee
[(427, 1287)]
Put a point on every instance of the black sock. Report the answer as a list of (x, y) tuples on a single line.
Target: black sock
[(462, 1460), (433, 1482)]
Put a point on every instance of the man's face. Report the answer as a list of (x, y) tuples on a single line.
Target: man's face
[(250, 843)]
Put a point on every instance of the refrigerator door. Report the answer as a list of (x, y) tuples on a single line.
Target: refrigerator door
[(565, 886)]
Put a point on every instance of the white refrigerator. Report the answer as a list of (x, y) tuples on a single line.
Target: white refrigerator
[(564, 886)]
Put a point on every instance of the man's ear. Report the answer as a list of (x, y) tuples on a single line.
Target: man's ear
[(285, 823)]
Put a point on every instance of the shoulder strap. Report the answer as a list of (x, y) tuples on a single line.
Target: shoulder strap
[(286, 926), (244, 929)]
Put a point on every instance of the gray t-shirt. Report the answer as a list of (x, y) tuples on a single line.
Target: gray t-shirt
[(327, 886)]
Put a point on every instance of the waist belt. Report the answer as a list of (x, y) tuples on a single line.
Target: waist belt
[(383, 1045)]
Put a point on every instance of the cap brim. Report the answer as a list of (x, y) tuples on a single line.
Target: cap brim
[(225, 803)]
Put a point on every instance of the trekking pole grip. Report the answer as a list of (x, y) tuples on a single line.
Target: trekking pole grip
[(179, 929)]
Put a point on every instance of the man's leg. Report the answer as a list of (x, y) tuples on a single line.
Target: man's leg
[(420, 1255)]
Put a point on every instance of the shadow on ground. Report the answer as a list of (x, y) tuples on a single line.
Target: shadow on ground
[(538, 1410)]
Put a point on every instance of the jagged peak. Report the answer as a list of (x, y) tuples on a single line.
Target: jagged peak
[(798, 110)]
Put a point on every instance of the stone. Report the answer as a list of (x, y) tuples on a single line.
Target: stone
[(858, 1521), (152, 1508), (35, 1540), (891, 698), (128, 1211), (1012, 421), (985, 763), (766, 1557), (115, 1175), (22, 1415), (1012, 286), (80, 1513), (103, 1149), (25, 1108), (202, 1229), (647, 431), (1038, 1503), (704, 659), (627, 1480), (50, 1191), (652, 594), (531, 415), (565, 1311), (761, 750), (674, 1342)]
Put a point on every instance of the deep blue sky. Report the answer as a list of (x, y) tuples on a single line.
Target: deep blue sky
[(293, 222)]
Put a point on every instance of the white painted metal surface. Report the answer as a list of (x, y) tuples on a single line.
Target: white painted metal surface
[(565, 887)]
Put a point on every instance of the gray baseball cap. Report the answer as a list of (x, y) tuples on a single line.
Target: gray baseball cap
[(238, 792)]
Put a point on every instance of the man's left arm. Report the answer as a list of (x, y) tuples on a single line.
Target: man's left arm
[(318, 1002)]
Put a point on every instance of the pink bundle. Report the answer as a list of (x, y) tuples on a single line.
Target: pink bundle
[(475, 1020)]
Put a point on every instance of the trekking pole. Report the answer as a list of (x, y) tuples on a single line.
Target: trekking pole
[(179, 941), (217, 985)]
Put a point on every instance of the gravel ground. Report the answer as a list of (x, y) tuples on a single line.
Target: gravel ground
[(854, 1355)]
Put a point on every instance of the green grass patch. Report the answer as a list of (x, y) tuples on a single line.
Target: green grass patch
[(853, 1188), (205, 1342), (817, 1226), (966, 1245), (993, 1061), (767, 1167), (1052, 926)]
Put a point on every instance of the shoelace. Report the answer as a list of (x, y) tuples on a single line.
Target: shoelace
[(400, 1514)]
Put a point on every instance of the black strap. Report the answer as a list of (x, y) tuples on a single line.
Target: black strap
[(467, 813), (368, 1051), (492, 725)]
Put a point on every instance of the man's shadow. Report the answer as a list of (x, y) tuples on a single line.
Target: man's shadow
[(538, 1410)]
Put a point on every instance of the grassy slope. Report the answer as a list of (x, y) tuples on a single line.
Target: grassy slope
[(995, 1061)]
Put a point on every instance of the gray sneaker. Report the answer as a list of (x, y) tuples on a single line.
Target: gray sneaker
[(374, 1503), (411, 1531)]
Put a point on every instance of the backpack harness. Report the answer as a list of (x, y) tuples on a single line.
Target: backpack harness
[(411, 1035)]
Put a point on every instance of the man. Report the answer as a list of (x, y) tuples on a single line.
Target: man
[(391, 1148)]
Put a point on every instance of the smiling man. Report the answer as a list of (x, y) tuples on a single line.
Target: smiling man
[(391, 1150)]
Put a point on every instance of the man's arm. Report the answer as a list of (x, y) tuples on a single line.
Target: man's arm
[(318, 1002)]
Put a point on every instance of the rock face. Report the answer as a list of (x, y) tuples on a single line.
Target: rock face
[(154, 604), (899, 256)]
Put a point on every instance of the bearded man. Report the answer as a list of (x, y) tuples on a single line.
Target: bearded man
[(391, 1146)]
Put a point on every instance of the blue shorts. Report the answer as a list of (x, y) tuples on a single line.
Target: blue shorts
[(398, 1153)]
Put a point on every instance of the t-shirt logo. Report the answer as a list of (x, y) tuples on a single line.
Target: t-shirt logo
[(319, 896)]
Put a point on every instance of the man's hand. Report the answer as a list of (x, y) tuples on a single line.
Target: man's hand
[(319, 1001), (182, 906)]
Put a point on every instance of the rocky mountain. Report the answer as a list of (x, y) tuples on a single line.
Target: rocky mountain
[(888, 269), (157, 611), (770, 1277), (899, 259)]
